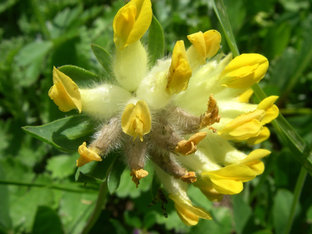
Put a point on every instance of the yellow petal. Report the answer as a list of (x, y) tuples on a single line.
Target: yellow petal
[(188, 213), (211, 193), (255, 155), (263, 135), (237, 172), (243, 127), (206, 44), (131, 22), (245, 96), (180, 71), (246, 130), (271, 110), (136, 120), (244, 71), (87, 155), (226, 186), (64, 92)]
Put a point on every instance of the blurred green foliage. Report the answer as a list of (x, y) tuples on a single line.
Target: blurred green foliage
[(37, 182)]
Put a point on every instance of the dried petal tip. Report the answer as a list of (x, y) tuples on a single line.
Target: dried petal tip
[(244, 71), (65, 92), (189, 177), (131, 22), (136, 120), (189, 146), (180, 71), (87, 155), (137, 175), (211, 116)]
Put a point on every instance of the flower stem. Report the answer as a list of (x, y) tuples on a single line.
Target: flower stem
[(299, 185), (100, 202), (49, 186)]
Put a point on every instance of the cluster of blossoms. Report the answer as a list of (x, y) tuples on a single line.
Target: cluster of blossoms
[(181, 114)]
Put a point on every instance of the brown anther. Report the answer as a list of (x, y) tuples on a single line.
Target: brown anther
[(189, 177), (211, 116), (212, 129), (189, 146), (137, 175)]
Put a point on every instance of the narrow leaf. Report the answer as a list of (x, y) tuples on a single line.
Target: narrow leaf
[(104, 58), (80, 75), (156, 41), (113, 179), (65, 134)]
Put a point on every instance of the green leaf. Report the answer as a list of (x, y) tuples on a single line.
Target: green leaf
[(156, 41), (75, 209), (281, 209), (119, 229), (29, 61), (242, 212), (309, 215), (223, 18), (5, 219), (96, 171), (80, 75), (132, 220), (61, 166), (104, 58), (113, 179), (65, 134), (47, 221)]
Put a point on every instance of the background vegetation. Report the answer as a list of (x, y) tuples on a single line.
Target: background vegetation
[(38, 191)]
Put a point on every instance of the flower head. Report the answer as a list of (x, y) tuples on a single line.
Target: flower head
[(184, 113)]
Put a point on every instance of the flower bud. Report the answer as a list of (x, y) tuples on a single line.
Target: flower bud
[(131, 22), (244, 71)]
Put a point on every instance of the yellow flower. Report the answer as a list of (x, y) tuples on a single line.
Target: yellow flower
[(131, 22), (185, 113)]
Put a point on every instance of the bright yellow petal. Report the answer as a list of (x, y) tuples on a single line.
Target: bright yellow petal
[(131, 22), (255, 155), (263, 135), (226, 186), (188, 213), (180, 71), (64, 92), (244, 71), (136, 120), (245, 96), (237, 172), (206, 44), (87, 155)]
